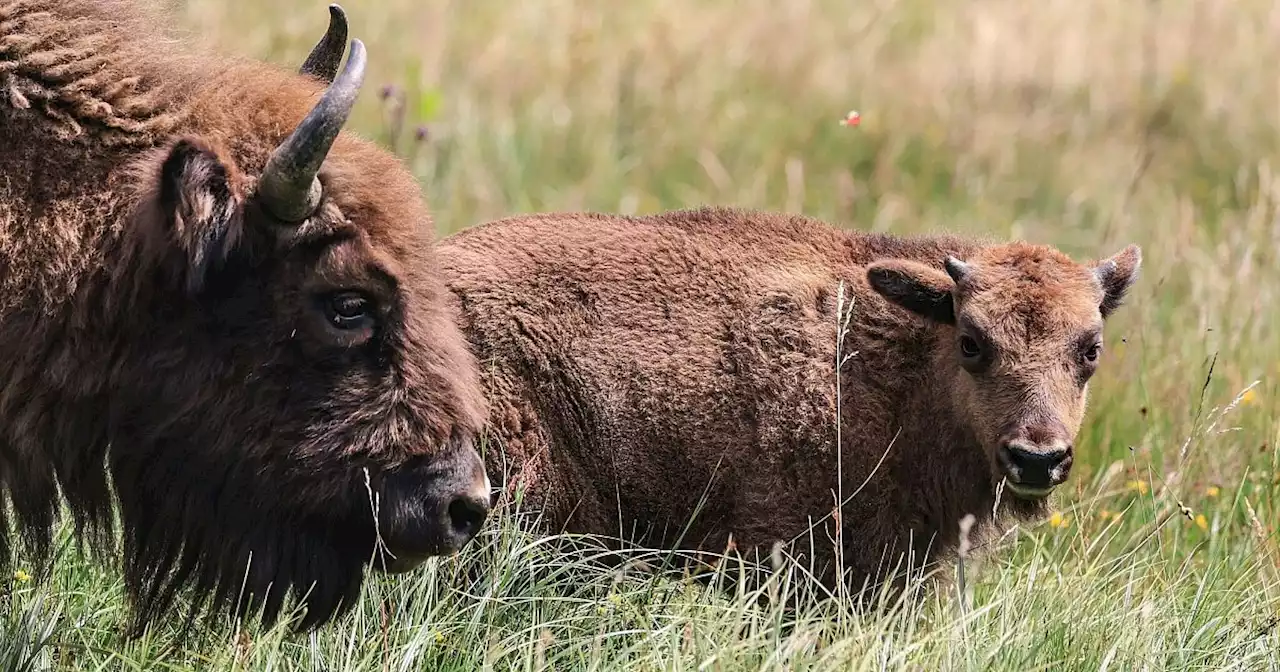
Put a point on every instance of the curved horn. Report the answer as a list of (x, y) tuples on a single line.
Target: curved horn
[(325, 57), (957, 269), (289, 188)]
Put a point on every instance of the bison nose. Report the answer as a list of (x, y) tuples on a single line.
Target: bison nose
[(434, 505), (466, 513), (1034, 470)]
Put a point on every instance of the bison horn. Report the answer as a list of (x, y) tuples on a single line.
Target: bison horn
[(958, 270), (325, 57), (289, 188)]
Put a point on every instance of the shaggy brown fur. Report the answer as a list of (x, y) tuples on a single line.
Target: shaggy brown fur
[(639, 364), (256, 388)]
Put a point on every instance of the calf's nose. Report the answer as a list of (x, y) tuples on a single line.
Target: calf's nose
[(1038, 467)]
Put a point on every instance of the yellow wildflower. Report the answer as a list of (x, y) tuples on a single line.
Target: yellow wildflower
[(1248, 397), (439, 637), (1058, 520), (22, 576), (1202, 522), (1212, 491), (1140, 486)]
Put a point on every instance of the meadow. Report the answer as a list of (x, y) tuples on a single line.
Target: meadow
[(1088, 124)]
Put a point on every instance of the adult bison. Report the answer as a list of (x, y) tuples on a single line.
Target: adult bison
[(644, 368), (223, 312)]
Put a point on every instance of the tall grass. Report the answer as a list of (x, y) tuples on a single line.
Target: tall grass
[(1084, 123)]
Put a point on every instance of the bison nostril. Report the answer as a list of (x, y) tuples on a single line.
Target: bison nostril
[(466, 514)]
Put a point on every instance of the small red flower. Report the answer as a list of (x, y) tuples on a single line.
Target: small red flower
[(851, 119)]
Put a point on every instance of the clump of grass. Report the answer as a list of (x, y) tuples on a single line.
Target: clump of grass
[(27, 633), (1086, 123)]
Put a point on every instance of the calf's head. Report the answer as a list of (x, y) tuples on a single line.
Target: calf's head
[(1021, 336), (291, 399)]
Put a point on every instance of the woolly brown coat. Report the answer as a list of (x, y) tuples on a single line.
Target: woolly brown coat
[(642, 368), (272, 396)]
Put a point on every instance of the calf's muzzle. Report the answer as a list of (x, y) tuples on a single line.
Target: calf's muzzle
[(1033, 469)]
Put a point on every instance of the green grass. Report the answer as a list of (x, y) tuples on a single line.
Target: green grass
[(1089, 124)]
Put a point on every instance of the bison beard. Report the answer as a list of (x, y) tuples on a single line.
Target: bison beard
[(642, 369), (252, 554), (222, 315)]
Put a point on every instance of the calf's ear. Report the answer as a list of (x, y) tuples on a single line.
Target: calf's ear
[(1116, 275), (197, 202), (919, 288)]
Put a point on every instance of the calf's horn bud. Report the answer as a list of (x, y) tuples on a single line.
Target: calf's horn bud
[(958, 270), (289, 187), (325, 57)]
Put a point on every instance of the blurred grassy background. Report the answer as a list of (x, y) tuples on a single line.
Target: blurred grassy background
[(1089, 124)]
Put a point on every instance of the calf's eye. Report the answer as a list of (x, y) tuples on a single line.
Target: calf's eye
[(1092, 352), (969, 347), (348, 310)]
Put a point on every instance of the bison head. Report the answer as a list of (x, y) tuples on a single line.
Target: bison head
[(1021, 337), (294, 400)]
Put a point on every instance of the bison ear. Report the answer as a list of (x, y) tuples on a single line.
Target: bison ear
[(1116, 275), (922, 290), (199, 202)]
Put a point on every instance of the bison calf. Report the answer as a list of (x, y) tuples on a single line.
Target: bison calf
[(640, 368), (212, 294)]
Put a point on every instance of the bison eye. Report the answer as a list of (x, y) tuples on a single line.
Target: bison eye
[(1092, 352), (348, 310), (969, 347)]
